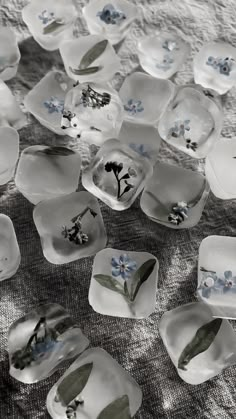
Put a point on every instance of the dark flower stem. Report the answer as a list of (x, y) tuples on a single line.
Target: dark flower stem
[(118, 183), (122, 193), (42, 321), (119, 194), (82, 214)]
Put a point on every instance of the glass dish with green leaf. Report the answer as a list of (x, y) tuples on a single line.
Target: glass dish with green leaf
[(89, 58), (123, 284), (50, 21), (199, 345), (94, 387), (41, 341)]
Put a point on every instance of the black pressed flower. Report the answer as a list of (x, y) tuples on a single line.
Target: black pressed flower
[(93, 99), (109, 166), (22, 358), (113, 166), (75, 234), (191, 145)]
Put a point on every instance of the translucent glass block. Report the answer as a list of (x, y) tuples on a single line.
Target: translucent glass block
[(217, 275), (143, 139), (89, 58), (145, 98), (9, 54), (111, 19), (116, 175), (220, 169), (10, 112), (191, 123), (199, 346), (47, 172), (175, 197), (70, 227), (91, 384), (9, 153), (41, 341), (50, 21), (124, 284), (93, 112), (211, 94), (46, 100), (215, 67), (9, 250), (162, 55)]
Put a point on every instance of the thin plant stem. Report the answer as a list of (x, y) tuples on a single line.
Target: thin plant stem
[(118, 182), (81, 214), (41, 321)]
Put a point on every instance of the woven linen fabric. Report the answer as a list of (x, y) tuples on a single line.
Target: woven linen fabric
[(135, 344)]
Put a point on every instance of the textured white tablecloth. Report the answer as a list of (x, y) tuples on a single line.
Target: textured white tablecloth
[(136, 345)]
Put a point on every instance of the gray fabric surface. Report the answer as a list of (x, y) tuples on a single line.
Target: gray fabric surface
[(136, 345)]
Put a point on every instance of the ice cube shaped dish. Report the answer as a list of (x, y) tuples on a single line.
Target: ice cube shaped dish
[(9, 54), (214, 67), (47, 172), (191, 123), (145, 98), (70, 227), (217, 275), (174, 197), (199, 346), (162, 55), (9, 153), (116, 175), (50, 21), (111, 19), (46, 100), (10, 112), (89, 58), (93, 112), (9, 250), (94, 387), (220, 169), (142, 138), (124, 284), (41, 341)]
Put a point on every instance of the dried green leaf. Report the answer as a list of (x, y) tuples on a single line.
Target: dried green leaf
[(74, 383), (92, 54), (119, 409), (85, 71), (110, 283), (141, 276), (203, 338), (57, 151), (53, 26)]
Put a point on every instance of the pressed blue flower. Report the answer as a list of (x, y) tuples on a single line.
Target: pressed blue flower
[(46, 17), (54, 105), (170, 45), (134, 106), (213, 283), (166, 62), (179, 213), (140, 149), (179, 128), (47, 346), (208, 282), (123, 266), (223, 65), (226, 66), (110, 15)]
